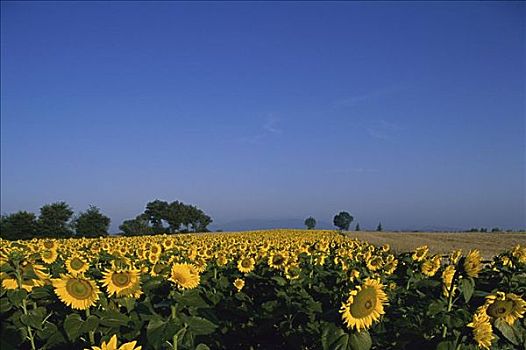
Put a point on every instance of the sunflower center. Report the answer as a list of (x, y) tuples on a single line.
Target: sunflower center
[(120, 279), (500, 308), (47, 254), (48, 245), (79, 289), (180, 277), (364, 303), (245, 263), (77, 264), (277, 260)]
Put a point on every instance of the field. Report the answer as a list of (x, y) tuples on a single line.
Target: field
[(489, 244), (279, 289)]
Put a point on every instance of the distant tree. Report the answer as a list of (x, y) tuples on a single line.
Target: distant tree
[(357, 228), (53, 220), (379, 227), (496, 229), (136, 227), (310, 222), (343, 220), (473, 229), (20, 225), (156, 212), (91, 223), (483, 229)]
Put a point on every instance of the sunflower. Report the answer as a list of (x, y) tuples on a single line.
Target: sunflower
[(420, 253), (50, 244), (76, 265), (76, 291), (482, 330), (292, 271), (185, 276), (49, 256), (472, 263), (375, 263), (239, 284), (364, 306), (447, 280), (455, 256), (508, 307), (277, 260), (221, 260), (124, 283), (431, 266), (246, 265), (112, 345)]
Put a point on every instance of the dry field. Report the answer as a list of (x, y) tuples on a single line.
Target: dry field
[(489, 244)]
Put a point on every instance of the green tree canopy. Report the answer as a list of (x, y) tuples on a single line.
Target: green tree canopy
[(53, 220), (379, 227), (310, 222), (136, 227), (343, 220), (20, 225), (91, 223)]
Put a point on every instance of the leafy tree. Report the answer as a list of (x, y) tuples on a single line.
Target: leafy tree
[(174, 216), (496, 229), (379, 227), (53, 220), (136, 227), (483, 229), (357, 228), (310, 222), (156, 212), (20, 225), (91, 223), (343, 220)]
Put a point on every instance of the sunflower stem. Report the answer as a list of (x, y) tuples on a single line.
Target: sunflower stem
[(90, 333), (450, 301), (24, 308), (173, 316)]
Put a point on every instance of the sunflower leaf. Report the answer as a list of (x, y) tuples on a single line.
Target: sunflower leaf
[(72, 325), (467, 286), (360, 341), (506, 330)]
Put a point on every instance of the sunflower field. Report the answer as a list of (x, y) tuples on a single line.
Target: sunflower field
[(279, 289)]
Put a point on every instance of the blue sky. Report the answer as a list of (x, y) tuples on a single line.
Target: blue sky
[(409, 113)]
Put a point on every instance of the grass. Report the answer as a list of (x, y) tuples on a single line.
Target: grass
[(489, 244)]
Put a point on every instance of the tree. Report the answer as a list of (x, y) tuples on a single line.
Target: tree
[(310, 222), (53, 220), (136, 227), (91, 223), (496, 229), (357, 228), (379, 227), (20, 225), (343, 220), (156, 212)]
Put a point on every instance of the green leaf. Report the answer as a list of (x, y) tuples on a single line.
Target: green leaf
[(39, 293), (192, 298), (91, 323), (113, 319), (436, 307), (33, 320), (16, 296), (202, 347), (446, 345), (506, 330), (360, 341), (279, 280), (155, 331), (72, 325), (5, 305), (467, 286), (333, 337), (200, 326)]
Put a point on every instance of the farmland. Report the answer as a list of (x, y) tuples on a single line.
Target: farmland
[(279, 289)]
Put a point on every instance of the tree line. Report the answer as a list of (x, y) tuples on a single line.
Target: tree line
[(342, 221), (57, 220)]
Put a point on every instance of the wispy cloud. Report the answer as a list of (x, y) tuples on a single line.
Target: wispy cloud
[(270, 127), (353, 100), (383, 130)]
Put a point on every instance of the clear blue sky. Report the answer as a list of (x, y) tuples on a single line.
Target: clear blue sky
[(409, 113)]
